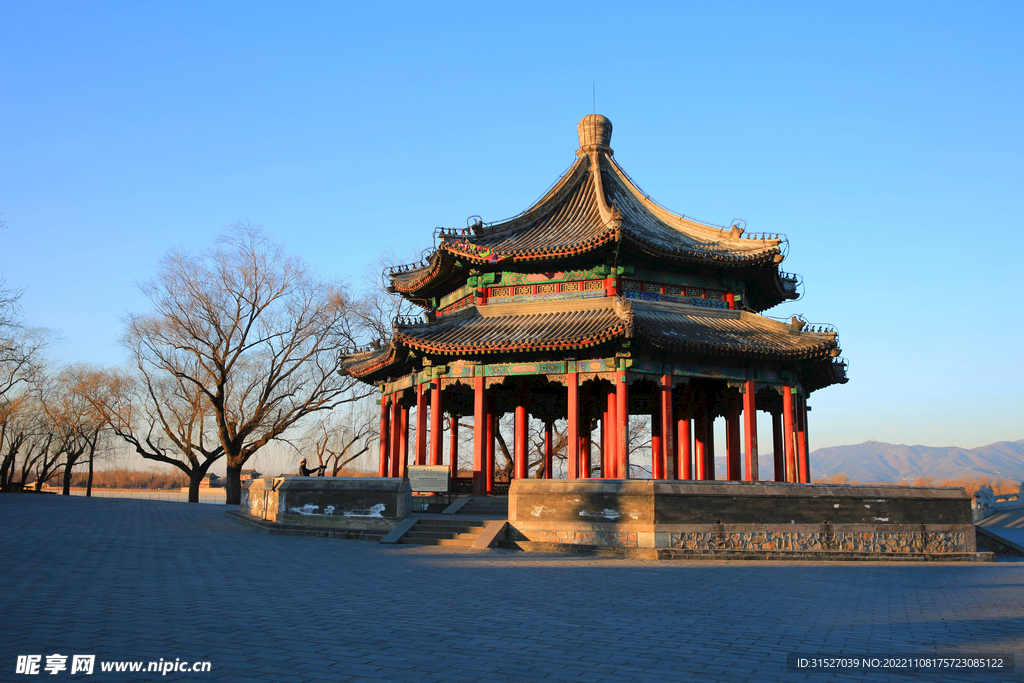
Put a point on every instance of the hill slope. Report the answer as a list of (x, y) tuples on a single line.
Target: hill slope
[(876, 461)]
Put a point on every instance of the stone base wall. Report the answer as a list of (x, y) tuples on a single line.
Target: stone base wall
[(638, 514), (370, 503), (852, 539), (601, 537)]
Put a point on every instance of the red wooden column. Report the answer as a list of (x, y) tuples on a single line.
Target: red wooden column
[(549, 450), (453, 446), (611, 449), (395, 448), (670, 457), (807, 441), (479, 435), (403, 448), (622, 422), (778, 447), (657, 444), (801, 439), (732, 439), (750, 430), (572, 445), (585, 436), (709, 451), (490, 450), (788, 434), (421, 424), (385, 435), (436, 417), (684, 438), (522, 469), (700, 437)]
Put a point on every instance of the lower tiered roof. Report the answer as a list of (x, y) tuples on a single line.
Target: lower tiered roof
[(523, 328)]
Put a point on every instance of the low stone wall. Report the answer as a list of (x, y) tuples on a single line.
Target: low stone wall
[(371, 503), (740, 517)]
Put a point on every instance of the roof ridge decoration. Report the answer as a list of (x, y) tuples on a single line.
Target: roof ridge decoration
[(624, 309), (595, 134)]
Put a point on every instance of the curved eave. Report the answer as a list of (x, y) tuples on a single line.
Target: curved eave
[(675, 327), (370, 366), (467, 349), (823, 374), (766, 289), (546, 254), (520, 328), (721, 259), (821, 350), (670, 236)]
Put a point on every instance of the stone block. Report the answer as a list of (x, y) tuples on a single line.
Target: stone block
[(351, 502)]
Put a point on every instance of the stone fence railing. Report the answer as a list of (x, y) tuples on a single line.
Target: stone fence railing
[(987, 503)]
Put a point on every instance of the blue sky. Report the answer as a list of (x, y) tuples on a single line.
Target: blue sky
[(884, 140)]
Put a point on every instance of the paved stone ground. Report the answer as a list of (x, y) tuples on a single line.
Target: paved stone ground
[(144, 580)]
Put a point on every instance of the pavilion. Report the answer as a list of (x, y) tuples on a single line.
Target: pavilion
[(592, 305)]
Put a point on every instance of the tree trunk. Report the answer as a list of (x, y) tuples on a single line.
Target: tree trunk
[(68, 472), (6, 473), (194, 479), (509, 467), (233, 483), (88, 483)]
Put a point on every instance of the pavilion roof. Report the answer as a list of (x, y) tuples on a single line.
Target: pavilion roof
[(505, 328), (594, 204), (580, 324), (673, 326)]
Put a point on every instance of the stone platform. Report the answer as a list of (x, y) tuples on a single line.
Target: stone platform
[(742, 520)]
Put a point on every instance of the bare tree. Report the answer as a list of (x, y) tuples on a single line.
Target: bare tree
[(162, 418), (21, 347), (253, 332), (76, 424), (17, 430), (342, 436), (43, 453)]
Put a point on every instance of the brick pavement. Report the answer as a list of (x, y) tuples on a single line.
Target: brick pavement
[(141, 580)]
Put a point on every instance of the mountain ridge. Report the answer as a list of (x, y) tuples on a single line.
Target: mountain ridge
[(881, 462)]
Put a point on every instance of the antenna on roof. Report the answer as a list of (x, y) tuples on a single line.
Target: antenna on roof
[(594, 87)]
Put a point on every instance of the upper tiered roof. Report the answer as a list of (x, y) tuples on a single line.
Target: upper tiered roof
[(595, 206)]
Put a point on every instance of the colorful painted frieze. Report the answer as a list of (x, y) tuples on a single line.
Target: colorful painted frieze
[(599, 365), (510, 369), (689, 301)]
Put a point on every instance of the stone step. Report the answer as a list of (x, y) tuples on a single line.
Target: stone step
[(452, 532), (416, 534), (449, 528), (464, 543), (473, 509)]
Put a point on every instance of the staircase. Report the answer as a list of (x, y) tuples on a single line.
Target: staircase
[(450, 532)]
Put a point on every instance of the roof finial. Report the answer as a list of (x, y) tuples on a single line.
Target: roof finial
[(595, 132)]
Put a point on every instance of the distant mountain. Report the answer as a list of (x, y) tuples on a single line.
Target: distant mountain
[(878, 462)]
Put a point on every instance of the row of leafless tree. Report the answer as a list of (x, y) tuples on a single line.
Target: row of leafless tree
[(968, 483), (125, 478), (242, 347)]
